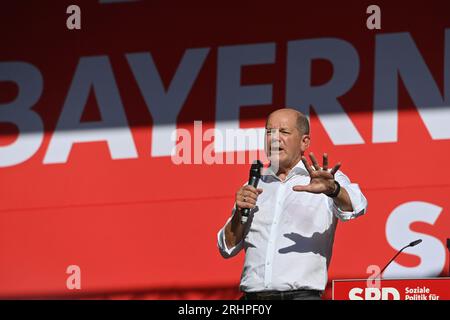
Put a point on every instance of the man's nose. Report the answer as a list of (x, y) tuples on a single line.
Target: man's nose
[(274, 135)]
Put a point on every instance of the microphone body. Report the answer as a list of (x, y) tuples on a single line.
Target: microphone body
[(255, 175)]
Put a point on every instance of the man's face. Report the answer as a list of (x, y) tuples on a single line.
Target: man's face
[(284, 143)]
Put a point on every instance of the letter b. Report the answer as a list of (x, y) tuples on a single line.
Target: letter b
[(18, 112)]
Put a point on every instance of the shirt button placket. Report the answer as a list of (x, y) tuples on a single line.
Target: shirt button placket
[(271, 244)]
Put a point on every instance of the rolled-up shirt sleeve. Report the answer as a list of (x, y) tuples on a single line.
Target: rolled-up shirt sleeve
[(357, 198), (224, 250)]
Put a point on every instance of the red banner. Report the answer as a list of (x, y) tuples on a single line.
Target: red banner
[(89, 119)]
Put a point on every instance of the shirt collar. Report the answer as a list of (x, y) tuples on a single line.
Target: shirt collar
[(298, 169)]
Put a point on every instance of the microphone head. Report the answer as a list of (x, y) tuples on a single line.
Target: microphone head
[(415, 243), (255, 170)]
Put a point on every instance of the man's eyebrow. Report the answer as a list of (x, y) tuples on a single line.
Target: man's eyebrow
[(282, 128)]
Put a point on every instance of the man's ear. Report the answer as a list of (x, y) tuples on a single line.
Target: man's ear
[(306, 139)]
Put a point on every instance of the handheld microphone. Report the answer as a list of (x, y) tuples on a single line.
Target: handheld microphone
[(412, 244), (255, 175)]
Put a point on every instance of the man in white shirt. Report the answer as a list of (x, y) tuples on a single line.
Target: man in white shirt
[(288, 237)]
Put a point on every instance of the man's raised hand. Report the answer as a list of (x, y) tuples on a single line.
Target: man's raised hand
[(322, 180)]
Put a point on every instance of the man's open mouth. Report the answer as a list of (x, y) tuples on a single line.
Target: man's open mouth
[(277, 149)]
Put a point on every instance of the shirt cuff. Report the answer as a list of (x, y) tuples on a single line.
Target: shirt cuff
[(358, 201), (222, 245)]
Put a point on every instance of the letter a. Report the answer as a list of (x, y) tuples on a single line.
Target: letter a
[(74, 280), (74, 20), (374, 20)]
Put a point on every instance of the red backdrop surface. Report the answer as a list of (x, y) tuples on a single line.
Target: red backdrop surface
[(146, 227)]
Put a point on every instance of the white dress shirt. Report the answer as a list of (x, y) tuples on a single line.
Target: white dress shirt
[(289, 235)]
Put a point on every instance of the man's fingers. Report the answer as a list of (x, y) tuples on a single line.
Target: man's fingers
[(242, 205), (301, 188), (247, 196), (335, 168), (306, 164), (250, 195), (250, 188), (248, 200), (314, 161), (325, 162)]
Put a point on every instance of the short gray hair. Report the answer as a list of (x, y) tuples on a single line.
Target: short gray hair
[(302, 124)]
